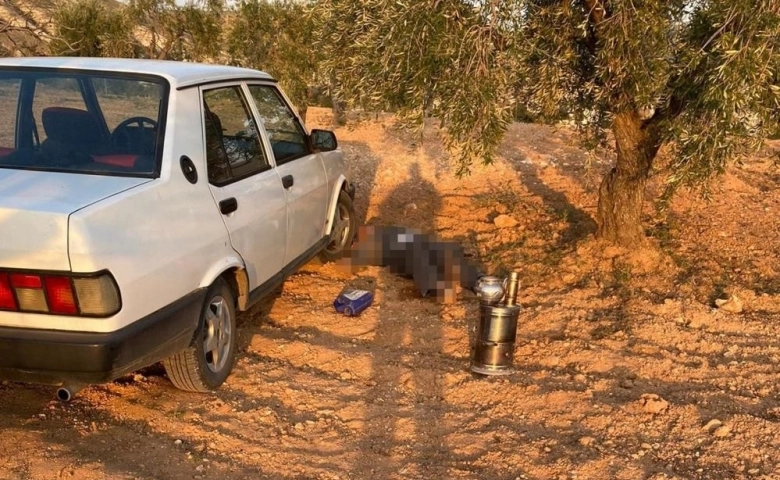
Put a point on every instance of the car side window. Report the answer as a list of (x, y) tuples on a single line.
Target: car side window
[(233, 149), (287, 137)]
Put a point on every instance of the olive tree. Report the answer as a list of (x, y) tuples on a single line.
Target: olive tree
[(274, 36), (697, 75), (190, 30), (90, 28)]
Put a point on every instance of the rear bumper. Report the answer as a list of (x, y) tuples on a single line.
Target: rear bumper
[(53, 357)]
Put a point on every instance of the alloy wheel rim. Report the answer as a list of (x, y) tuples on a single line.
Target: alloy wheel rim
[(340, 229), (218, 334)]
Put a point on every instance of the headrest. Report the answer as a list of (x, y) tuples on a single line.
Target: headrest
[(71, 126)]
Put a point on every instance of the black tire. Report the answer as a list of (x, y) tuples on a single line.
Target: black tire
[(343, 231), (200, 368)]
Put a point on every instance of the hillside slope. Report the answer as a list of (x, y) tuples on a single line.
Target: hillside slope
[(25, 26)]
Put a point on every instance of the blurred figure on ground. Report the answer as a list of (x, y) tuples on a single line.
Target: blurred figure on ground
[(436, 267)]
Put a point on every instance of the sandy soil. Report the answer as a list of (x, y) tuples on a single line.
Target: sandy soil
[(625, 367)]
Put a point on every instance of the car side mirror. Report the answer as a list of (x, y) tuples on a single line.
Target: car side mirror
[(324, 140)]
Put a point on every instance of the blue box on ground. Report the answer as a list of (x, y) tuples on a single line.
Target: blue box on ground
[(352, 302)]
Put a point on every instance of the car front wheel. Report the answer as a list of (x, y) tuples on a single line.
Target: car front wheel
[(206, 364), (343, 231)]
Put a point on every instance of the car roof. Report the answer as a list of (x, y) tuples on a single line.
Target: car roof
[(179, 74)]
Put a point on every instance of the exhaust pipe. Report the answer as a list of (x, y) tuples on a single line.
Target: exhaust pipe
[(66, 392)]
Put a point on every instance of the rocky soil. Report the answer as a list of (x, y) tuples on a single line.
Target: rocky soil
[(660, 363)]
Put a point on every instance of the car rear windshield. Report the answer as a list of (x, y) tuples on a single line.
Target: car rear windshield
[(81, 122)]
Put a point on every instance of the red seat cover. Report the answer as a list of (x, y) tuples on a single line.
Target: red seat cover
[(126, 161), (6, 151)]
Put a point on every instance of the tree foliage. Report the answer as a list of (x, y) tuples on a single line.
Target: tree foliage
[(88, 28), (160, 29), (443, 59), (191, 31), (698, 75), (274, 36)]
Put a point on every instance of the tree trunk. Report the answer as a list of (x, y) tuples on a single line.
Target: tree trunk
[(302, 113), (339, 110), (621, 195)]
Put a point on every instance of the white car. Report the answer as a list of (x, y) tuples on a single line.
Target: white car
[(142, 203)]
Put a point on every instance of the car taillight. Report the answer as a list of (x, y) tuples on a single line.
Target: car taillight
[(29, 292), (7, 301), (59, 294), (97, 295)]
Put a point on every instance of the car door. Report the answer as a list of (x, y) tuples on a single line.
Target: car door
[(245, 185), (300, 168)]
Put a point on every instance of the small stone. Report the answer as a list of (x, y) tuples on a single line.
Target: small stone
[(177, 442), (754, 471), (299, 426), (733, 304), (652, 403), (646, 446), (627, 383), (580, 378), (505, 221), (722, 431), (200, 468), (712, 425), (587, 441)]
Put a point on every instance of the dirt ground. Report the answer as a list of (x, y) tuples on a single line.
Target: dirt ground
[(626, 369)]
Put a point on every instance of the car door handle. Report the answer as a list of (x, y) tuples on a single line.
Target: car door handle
[(228, 205), (287, 181)]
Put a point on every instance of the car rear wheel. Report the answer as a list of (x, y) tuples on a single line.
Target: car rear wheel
[(343, 231), (206, 364)]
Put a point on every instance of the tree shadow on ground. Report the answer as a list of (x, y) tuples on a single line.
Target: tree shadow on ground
[(413, 203), (84, 438), (363, 175), (579, 224)]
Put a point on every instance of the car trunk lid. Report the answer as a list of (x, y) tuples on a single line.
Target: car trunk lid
[(34, 211)]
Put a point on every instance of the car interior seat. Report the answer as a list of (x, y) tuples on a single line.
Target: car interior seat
[(216, 157), (72, 135)]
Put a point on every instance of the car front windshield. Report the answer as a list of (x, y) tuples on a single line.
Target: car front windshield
[(81, 122)]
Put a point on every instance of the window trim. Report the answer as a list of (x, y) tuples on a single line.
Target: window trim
[(78, 73), (18, 112), (202, 89), (286, 102), (216, 81)]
